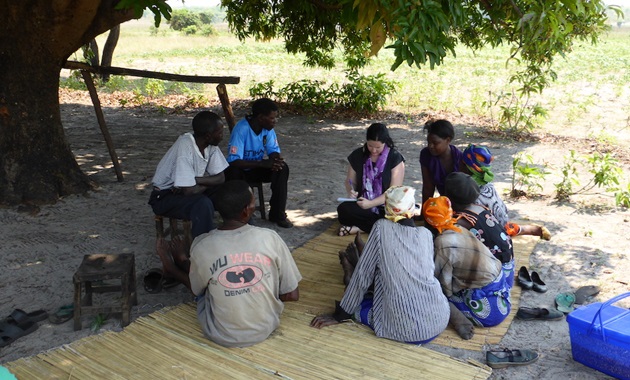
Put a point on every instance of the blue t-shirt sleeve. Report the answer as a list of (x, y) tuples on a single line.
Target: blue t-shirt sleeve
[(236, 146), (271, 145)]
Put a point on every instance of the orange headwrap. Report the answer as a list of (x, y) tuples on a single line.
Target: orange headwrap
[(438, 213)]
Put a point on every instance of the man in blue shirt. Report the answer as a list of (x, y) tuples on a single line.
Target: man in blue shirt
[(252, 138)]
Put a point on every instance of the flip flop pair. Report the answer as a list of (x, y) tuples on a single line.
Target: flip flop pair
[(565, 302)]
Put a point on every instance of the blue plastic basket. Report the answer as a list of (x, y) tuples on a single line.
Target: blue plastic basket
[(600, 337)]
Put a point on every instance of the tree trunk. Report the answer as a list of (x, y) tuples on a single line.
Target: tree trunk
[(36, 37), (36, 163), (108, 50)]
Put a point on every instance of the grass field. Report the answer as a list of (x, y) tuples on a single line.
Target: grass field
[(592, 90)]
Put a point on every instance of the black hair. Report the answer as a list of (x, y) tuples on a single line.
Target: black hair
[(441, 128), (378, 132), (206, 122), (231, 198), (263, 106), (461, 189)]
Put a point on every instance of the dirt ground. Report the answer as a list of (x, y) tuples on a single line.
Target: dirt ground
[(43, 247)]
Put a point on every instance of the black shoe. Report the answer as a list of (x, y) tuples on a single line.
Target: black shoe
[(538, 284), (524, 280), (531, 313), (284, 223)]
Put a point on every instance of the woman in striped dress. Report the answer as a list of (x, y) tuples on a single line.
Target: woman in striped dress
[(407, 303)]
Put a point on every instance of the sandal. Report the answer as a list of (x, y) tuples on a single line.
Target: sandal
[(63, 314), (153, 280), (168, 283), (345, 230), (10, 332), (565, 302), (507, 357), (348, 230), (19, 316), (585, 293)]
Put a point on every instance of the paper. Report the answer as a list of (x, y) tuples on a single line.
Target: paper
[(346, 199)]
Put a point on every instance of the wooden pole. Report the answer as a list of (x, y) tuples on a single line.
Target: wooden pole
[(150, 74), (227, 108), (101, 122)]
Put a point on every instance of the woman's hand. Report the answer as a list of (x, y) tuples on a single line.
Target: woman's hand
[(323, 321), (365, 203), (353, 194)]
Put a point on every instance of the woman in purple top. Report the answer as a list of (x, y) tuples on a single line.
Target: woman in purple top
[(439, 158)]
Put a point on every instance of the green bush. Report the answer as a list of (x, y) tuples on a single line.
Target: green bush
[(525, 174), (184, 20), (365, 94), (207, 30), (515, 114), (605, 173), (192, 29)]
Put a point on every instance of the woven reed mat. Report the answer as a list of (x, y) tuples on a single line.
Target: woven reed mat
[(319, 264), (169, 344)]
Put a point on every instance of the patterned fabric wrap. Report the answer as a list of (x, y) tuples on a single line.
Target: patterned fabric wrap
[(477, 159), (373, 177), (438, 213), (490, 305), (400, 203)]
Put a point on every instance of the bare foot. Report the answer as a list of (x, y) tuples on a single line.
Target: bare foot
[(460, 323), (348, 269), (359, 243), (352, 253), (179, 250)]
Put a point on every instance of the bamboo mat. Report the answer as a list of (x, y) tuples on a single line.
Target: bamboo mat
[(169, 344), (319, 264)]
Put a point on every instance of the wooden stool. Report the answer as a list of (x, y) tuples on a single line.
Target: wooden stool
[(261, 198), (103, 267), (172, 227)]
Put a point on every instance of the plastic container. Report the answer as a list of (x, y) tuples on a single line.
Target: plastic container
[(600, 337)]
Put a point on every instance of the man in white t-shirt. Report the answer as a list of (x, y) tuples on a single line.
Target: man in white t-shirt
[(189, 174), (241, 274)]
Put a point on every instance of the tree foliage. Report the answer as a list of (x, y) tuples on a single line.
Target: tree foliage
[(424, 32)]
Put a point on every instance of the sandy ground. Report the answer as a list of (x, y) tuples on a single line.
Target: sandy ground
[(42, 248)]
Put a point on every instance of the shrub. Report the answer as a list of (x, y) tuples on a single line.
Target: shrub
[(365, 94), (184, 20)]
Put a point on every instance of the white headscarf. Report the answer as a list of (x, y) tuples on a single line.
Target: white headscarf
[(400, 203)]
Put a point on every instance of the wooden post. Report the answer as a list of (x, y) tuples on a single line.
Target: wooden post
[(101, 122), (227, 108)]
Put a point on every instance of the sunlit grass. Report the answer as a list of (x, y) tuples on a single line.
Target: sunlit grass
[(592, 77)]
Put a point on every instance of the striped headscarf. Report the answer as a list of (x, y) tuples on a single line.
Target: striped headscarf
[(477, 159), (400, 203), (438, 213)]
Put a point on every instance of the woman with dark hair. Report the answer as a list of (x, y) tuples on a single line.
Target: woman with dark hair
[(373, 169), (439, 158)]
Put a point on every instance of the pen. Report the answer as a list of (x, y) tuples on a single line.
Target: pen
[(350, 183)]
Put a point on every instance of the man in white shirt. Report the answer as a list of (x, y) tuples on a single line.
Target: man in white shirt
[(189, 174)]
